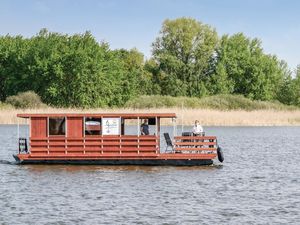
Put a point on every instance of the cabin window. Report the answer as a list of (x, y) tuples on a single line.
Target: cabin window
[(57, 125), (134, 126), (147, 125), (92, 126)]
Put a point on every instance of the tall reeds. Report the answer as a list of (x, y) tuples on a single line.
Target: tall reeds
[(205, 116)]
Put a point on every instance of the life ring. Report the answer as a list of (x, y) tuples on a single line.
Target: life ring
[(220, 154)]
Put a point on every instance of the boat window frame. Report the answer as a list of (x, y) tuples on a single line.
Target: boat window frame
[(84, 126), (48, 126)]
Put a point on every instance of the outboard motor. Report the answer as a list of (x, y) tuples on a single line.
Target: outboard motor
[(220, 154)]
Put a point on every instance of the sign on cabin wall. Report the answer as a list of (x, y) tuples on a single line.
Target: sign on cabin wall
[(111, 126)]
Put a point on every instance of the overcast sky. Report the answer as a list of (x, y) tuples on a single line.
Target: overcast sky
[(136, 23)]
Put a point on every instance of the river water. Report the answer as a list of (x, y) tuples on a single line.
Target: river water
[(258, 183)]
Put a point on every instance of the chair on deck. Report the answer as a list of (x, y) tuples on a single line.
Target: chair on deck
[(169, 142)]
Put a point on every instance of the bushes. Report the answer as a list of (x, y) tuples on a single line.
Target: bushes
[(23, 100), (30, 99), (5, 106), (239, 102), (219, 102), (157, 101)]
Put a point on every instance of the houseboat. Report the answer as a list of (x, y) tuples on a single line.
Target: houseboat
[(112, 139)]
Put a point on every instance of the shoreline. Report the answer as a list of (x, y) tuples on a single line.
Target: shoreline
[(207, 117)]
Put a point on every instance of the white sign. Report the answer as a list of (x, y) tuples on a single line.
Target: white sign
[(111, 126)]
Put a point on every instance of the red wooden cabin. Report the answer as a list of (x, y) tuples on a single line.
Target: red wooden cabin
[(103, 139)]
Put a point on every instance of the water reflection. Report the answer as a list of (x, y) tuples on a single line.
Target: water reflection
[(97, 168)]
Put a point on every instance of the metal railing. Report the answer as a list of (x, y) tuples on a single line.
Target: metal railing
[(23, 147), (195, 144)]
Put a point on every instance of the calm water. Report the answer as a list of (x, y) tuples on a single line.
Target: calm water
[(259, 183)]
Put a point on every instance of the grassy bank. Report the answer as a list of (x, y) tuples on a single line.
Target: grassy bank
[(217, 102), (224, 110), (205, 116)]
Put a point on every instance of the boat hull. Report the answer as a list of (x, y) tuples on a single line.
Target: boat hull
[(118, 162)]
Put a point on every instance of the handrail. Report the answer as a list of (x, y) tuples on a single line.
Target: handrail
[(103, 144), (196, 144), (195, 137), (97, 137)]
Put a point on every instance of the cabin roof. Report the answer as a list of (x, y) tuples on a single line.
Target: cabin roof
[(122, 115)]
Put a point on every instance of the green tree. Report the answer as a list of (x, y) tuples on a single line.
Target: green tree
[(296, 88), (136, 80), (64, 70), (13, 65), (285, 92), (74, 70), (218, 82), (243, 68), (183, 51), (154, 77)]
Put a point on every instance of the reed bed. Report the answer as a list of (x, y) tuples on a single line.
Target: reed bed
[(206, 117)]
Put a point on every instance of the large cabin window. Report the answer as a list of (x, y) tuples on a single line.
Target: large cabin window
[(57, 125), (135, 126), (92, 126)]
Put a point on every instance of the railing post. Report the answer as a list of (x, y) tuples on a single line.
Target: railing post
[(28, 121), (120, 132), (83, 124), (156, 135), (48, 141), (66, 135), (138, 129), (18, 133), (174, 129), (101, 134)]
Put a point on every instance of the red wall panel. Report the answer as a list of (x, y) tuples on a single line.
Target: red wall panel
[(38, 127), (75, 127)]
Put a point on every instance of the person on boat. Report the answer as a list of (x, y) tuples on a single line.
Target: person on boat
[(145, 128), (198, 129)]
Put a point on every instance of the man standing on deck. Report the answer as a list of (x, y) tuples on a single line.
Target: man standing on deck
[(145, 128)]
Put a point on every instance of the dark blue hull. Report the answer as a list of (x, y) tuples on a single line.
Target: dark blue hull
[(139, 162)]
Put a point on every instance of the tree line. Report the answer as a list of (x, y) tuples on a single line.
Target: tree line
[(188, 58)]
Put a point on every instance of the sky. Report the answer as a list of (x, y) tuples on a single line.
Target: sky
[(136, 23)]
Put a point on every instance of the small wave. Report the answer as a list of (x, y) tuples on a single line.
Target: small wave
[(258, 177), (217, 166), (8, 162)]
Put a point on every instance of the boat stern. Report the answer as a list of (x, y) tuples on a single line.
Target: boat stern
[(16, 157), (20, 157)]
